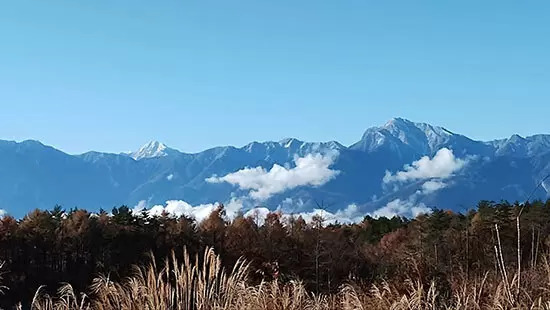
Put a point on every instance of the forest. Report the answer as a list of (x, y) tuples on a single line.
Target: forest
[(493, 257)]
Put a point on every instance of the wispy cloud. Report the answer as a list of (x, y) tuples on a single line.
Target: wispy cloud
[(311, 170)]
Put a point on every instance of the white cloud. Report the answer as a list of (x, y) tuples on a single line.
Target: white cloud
[(420, 209), (394, 208), (170, 177), (291, 205), (200, 212), (410, 207), (258, 214), (435, 170), (176, 208), (179, 207), (142, 204), (443, 165), (312, 170), (398, 207), (3, 212), (233, 207), (432, 186), (351, 214)]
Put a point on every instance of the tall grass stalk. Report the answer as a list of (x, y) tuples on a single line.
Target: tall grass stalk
[(201, 283)]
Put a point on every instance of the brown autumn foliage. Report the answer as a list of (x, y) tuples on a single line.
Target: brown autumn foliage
[(443, 260)]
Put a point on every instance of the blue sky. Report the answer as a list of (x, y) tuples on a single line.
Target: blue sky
[(110, 75)]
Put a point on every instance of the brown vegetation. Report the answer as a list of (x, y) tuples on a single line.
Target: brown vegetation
[(494, 258), (202, 283)]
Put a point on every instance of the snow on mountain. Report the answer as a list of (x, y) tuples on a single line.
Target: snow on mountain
[(519, 146), (422, 137), (398, 132), (408, 138), (290, 142), (546, 187), (34, 175), (152, 149)]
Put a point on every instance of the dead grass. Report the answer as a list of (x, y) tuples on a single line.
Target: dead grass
[(201, 283), (2, 288)]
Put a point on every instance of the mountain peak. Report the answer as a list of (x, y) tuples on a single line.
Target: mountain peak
[(402, 124), (423, 138), (151, 149), (516, 138), (289, 142), (398, 121)]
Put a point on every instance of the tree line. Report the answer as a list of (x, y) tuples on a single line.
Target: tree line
[(49, 247)]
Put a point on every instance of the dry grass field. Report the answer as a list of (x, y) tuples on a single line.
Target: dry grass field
[(202, 283)]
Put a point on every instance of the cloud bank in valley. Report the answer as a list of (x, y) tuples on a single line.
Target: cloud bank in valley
[(236, 206), (310, 170), (315, 170), (397, 207), (261, 184), (411, 206), (177, 208), (350, 214)]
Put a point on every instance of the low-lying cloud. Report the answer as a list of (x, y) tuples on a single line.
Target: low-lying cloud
[(443, 165), (433, 172), (412, 205), (177, 208), (350, 214), (398, 207), (310, 170), (236, 206)]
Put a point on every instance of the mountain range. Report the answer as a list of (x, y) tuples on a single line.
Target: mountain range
[(401, 167)]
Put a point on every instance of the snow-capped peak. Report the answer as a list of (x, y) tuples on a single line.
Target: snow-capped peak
[(519, 146), (397, 121), (421, 137), (151, 150), (289, 142), (400, 125)]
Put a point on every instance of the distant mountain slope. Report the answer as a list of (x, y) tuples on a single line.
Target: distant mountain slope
[(34, 175)]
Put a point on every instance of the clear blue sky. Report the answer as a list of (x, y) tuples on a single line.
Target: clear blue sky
[(110, 75)]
